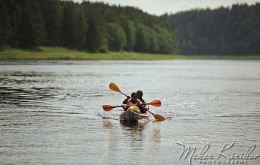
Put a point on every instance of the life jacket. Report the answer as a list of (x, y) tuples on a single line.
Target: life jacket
[(132, 102), (137, 103)]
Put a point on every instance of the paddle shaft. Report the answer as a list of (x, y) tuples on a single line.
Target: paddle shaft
[(150, 112), (123, 94)]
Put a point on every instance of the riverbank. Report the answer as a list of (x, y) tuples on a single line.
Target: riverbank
[(58, 53)]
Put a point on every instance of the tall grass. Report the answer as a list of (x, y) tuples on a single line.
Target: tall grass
[(58, 53)]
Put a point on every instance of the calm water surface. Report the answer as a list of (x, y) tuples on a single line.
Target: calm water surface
[(50, 112)]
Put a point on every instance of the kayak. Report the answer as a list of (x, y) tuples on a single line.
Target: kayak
[(131, 115)]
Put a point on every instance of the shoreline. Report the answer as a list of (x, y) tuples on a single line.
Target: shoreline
[(59, 53)]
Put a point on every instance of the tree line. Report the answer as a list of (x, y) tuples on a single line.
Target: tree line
[(222, 31), (94, 27)]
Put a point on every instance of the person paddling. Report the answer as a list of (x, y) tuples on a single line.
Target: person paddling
[(139, 96), (135, 101), (125, 102)]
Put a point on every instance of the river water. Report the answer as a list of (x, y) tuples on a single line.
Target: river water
[(51, 112)]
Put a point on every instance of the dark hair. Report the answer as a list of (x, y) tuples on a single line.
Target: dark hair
[(134, 93), (139, 91)]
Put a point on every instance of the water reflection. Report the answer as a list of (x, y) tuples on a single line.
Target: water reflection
[(30, 89), (198, 109), (156, 135), (107, 124), (27, 96), (132, 124)]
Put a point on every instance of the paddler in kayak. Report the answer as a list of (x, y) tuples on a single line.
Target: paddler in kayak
[(139, 96), (134, 101), (125, 102)]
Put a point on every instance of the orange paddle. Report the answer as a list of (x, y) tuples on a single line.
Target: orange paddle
[(156, 103)]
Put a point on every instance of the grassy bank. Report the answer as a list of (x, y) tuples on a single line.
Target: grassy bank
[(48, 53)]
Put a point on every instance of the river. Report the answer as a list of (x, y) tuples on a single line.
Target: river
[(51, 112)]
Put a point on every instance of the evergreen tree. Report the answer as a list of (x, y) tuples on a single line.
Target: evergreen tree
[(5, 28), (69, 25), (130, 32), (52, 14), (222, 31), (116, 37), (92, 26), (31, 28), (96, 31), (142, 40), (16, 21), (81, 30), (153, 40)]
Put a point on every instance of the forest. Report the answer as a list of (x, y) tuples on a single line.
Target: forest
[(86, 26), (232, 30), (100, 27)]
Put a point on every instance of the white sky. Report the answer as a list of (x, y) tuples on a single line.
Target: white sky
[(159, 7)]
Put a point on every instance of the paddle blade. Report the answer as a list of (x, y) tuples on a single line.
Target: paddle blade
[(107, 107), (114, 87), (156, 103), (158, 117)]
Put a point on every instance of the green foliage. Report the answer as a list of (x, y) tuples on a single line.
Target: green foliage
[(153, 40), (69, 25), (58, 53), (16, 19), (116, 37), (81, 30), (91, 26), (167, 42), (130, 32), (225, 31), (31, 31), (5, 26), (142, 41), (94, 33), (110, 16), (103, 48), (52, 14)]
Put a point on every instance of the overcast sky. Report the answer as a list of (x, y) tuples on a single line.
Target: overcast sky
[(159, 7)]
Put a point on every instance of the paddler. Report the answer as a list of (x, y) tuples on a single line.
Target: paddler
[(140, 95), (135, 101)]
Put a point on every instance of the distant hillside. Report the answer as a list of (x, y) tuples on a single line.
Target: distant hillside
[(222, 31), (95, 27)]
